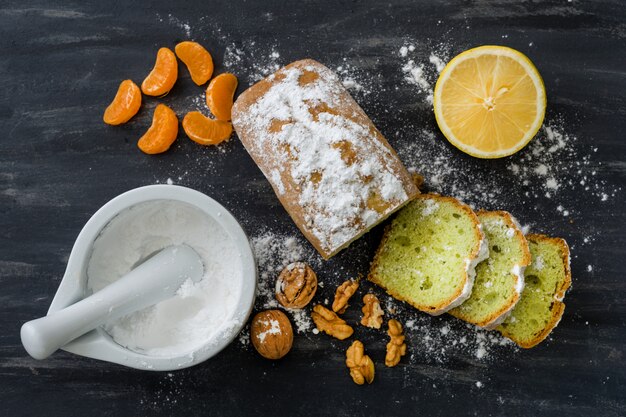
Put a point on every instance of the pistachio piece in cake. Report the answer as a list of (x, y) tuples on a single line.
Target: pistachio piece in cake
[(499, 278), (541, 306), (429, 253)]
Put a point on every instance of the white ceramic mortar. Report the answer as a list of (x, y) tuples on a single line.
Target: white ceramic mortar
[(98, 344)]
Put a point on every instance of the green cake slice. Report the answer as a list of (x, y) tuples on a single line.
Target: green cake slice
[(541, 306), (429, 253), (500, 278)]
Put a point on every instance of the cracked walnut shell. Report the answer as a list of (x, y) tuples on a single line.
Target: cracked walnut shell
[(296, 285), (396, 348), (372, 312), (361, 366), (328, 322), (271, 334), (343, 294)]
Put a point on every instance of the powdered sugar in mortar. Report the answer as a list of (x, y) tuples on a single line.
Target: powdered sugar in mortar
[(199, 311)]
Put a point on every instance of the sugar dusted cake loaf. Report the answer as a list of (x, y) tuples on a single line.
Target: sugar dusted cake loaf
[(541, 307), (499, 278), (333, 171), (429, 253)]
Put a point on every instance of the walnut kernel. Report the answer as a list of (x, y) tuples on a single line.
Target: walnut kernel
[(372, 312), (396, 348), (343, 294), (271, 334), (361, 366), (329, 323), (296, 285)]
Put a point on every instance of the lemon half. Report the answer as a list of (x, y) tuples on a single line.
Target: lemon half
[(489, 101)]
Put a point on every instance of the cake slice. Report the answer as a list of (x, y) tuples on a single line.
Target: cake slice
[(429, 253), (330, 167), (499, 278), (540, 308)]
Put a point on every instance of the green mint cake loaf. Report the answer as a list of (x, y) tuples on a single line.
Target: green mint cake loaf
[(499, 278), (429, 253), (541, 306)]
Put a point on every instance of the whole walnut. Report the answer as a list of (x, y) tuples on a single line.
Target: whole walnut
[(271, 334)]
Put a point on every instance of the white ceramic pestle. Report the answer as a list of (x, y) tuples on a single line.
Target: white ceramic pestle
[(156, 279)]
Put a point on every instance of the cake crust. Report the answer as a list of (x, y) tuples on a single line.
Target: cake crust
[(330, 167), (458, 296)]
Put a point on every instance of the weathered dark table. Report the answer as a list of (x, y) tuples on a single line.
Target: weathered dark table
[(60, 64)]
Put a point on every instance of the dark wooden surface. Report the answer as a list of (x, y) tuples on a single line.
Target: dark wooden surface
[(60, 63)]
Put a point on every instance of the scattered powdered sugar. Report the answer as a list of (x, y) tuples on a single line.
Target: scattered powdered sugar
[(354, 79), (249, 60), (533, 172), (414, 74), (423, 75), (437, 62), (274, 328), (438, 339), (174, 21)]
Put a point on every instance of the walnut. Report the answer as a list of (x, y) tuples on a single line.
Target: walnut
[(296, 285), (361, 366), (396, 348), (329, 323), (271, 334), (372, 313), (343, 294)]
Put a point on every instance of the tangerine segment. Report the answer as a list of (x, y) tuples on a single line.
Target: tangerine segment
[(125, 104), (490, 101), (197, 59), (162, 133), (206, 131), (163, 76), (220, 94)]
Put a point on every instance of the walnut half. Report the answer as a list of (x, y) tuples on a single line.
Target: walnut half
[(328, 322), (396, 348), (296, 285), (361, 366), (372, 312), (343, 294)]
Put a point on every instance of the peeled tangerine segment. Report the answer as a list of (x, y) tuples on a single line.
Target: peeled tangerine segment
[(197, 59), (220, 94), (162, 133), (206, 131), (490, 101), (163, 76), (125, 104)]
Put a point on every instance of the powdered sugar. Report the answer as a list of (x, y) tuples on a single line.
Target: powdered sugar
[(273, 327), (437, 339), (254, 61)]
